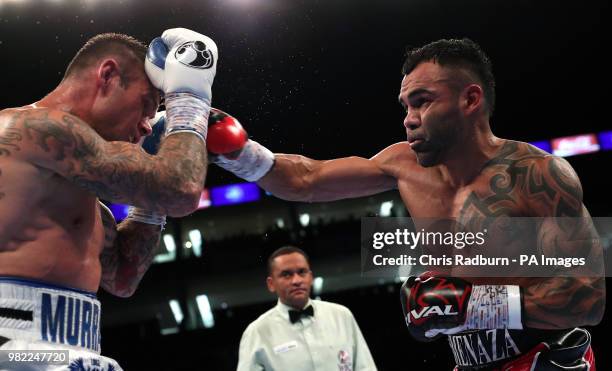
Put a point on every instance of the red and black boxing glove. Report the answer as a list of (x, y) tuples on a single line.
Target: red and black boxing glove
[(232, 150), (225, 134), (442, 305)]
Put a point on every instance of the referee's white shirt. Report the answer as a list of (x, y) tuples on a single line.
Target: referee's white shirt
[(329, 341)]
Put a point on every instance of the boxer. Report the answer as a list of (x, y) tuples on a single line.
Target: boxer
[(58, 243), (452, 166)]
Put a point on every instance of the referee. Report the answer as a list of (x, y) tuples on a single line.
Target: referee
[(300, 334)]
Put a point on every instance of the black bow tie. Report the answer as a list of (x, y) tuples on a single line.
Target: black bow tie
[(295, 315)]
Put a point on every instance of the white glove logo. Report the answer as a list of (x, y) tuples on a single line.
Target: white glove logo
[(194, 54)]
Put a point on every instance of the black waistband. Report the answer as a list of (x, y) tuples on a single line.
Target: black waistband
[(481, 349), (24, 315)]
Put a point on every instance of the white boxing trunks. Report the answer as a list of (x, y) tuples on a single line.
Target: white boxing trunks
[(48, 327)]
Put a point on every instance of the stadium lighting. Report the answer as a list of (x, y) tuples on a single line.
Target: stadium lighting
[(169, 242), (170, 254), (317, 286), (205, 311), (280, 223), (195, 238), (304, 219), (385, 208), (176, 311)]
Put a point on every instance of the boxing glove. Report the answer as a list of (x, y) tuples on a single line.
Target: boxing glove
[(182, 64), (226, 136), (158, 127), (436, 305), (232, 150)]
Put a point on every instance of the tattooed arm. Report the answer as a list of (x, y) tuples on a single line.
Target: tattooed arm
[(168, 183), (578, 298), (129, 249)]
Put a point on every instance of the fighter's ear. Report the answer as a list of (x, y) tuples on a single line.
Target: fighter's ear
[(472, 99), (107, 69)]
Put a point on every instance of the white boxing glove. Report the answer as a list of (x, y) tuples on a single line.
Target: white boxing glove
[(182, 64), (186, 61)]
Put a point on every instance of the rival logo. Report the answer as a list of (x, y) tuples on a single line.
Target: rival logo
[(428, 311), (195, 54)]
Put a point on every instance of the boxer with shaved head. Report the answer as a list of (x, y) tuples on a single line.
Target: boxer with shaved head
[(79, 144)]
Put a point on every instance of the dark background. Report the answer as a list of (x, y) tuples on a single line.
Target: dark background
[(321, 78)]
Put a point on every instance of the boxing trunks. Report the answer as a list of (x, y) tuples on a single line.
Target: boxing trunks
[(523, 350), (48, 327)]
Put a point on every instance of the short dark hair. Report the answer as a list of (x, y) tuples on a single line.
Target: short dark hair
[(457, 53), (101, 45), (285, 250)]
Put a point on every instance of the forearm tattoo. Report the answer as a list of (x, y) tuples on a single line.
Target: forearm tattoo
[(115, 171), (127, 259)]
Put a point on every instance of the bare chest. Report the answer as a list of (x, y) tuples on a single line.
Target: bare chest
[(73, 208), (35, 202), (482, 206), (50, 229), (494, 193)]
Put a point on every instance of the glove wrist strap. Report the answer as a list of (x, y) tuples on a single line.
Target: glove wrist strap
[(494, 307), (252, 164), (186, 112), (146, 216)]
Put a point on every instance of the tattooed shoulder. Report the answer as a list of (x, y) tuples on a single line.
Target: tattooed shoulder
[(32, 130), (550, 186), (554, 188), (11, 134), (524, 180)]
